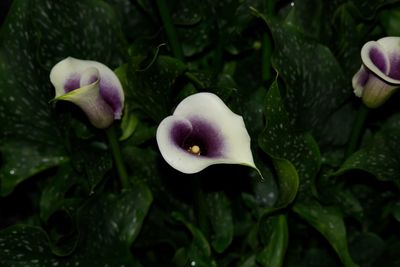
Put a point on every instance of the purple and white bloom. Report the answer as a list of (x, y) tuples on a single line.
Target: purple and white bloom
[(379, 75), (201, 132), (92, 86)]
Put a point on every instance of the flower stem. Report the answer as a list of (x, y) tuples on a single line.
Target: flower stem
[(269, 6), (200, 205), (116, 151), (266, 57), (197, 83), (170, 29), (356, 132)]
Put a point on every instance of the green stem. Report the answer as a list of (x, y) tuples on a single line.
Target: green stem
[(218, 56), (193, 79), (200, 205), (269, 7), (116, 151), (357, 130), (267, 44), (170, 29), (266, 57)]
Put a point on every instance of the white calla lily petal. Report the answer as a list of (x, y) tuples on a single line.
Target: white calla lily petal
[(375, 59), (391, 45), (359, 80), (88, 98), (201, 132), (379, 75), (74, 79)]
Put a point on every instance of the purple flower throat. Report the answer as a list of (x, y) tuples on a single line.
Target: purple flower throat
[(200, 135)]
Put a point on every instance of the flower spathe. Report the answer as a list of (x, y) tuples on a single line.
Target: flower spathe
[(201, 132), (379, 75), (92, 86)]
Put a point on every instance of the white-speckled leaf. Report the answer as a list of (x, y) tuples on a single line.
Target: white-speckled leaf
[(220, 213), (91, 159), (308, 17), (197, 26), (349, 41), (108, 225), (194, 31), (28, 135), (87, 29), (314, 79), (329, 222), (273, 254), (381, 157), (198, 252), (280, 140), (22, 159), (53, 194), (24, 245)]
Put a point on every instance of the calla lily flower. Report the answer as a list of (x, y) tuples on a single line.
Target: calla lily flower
[(201, 132), (379, 75), (90, 85)]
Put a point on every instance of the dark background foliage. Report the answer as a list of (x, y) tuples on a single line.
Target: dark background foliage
[(327, 197)]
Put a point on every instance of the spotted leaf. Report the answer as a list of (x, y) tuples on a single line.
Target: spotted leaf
[(107, 224), (294, 153)]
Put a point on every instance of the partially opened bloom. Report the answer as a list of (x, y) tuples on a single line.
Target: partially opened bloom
[(201, 132), (379, 74), (90, 85)]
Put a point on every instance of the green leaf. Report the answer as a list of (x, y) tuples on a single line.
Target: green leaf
[(53, 195), (266, 190), (395, 209), (249, 262), (143, 162), (381, 157), (390, 20), (220, 213), (315, 83), (203, 24), (329, 222), (123, 214), (97, 22), (29, 139), (350, 41), (194, 31), (314, 257), (131, 16), (91, 159), (151, 87), (295, 154), (390, 257), (365, 248), (108, 225), (250, 105), (307, 17), (128, 125), (198, 253), (288, 182), (23, 159), (367, 8), (273, 254), (349, 204)]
